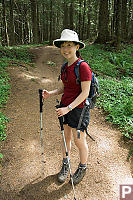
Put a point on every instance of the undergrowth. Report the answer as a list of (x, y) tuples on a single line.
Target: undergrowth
[(14, 53), (117, 101), (106, 61), (115, 73), (4, 92)]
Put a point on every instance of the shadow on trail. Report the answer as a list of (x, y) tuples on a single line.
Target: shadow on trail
[(48, 188), (45, 189)]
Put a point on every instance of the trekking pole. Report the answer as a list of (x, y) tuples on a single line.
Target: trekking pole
[(64, 140), (41, 128)]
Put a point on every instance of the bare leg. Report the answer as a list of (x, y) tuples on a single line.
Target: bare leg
[(82, 146)]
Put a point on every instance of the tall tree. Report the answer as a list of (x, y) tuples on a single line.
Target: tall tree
[(34, 21), (71, 14), (113, 17), (65, 15), (51, 23), (80, 18), (18, 22), (25, 24), (103, 31), (83, 24), (28, 21), (130, 20), (5, 39), (124, 32), (11, 24), (118, 23), (88, 20), (45, 20)]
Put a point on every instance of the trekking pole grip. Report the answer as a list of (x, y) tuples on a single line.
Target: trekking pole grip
[(41, 99), (60, 119)]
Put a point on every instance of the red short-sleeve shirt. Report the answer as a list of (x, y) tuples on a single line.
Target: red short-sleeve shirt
[(71, 88)]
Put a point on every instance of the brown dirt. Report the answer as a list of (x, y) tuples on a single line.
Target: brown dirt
[(22, 177)]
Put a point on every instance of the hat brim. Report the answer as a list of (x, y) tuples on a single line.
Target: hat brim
[(58, 43)]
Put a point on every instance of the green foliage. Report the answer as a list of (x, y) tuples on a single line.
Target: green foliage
[(117, 100), (4, 85), (1, 155), (115, 72), (107, 62), (3, 121), (4, 92), (20, 53)]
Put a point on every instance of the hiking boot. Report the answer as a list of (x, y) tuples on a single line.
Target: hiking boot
[(62, 176), (79, 175)]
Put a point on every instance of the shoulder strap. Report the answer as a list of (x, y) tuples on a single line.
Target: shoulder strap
[(76, 69), (62, 69)]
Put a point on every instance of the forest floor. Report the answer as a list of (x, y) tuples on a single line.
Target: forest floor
[(21, 174)]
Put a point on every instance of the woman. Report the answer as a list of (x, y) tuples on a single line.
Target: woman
[(72, 101)]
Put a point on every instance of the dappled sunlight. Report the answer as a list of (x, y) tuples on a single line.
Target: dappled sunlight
[(46, 80), (33, 77), (30, 171), (120, 174), (27, 166), (114, 161), (30, 76), (32, 145), (33, 159), (104, 146)]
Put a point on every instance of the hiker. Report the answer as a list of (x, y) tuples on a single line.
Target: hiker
[(72, 102)]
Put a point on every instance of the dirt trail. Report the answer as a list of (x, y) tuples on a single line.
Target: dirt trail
[(22, 177)]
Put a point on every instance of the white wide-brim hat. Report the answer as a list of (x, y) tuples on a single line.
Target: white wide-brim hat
[(68, 35)]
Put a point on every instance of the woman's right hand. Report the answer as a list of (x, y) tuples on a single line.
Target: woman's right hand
[(45, 94)]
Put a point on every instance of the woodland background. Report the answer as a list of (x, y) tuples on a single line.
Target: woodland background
[(36, 21)]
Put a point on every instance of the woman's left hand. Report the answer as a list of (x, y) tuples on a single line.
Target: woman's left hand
[(62, 111)]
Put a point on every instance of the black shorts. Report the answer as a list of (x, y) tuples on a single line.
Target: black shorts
[(72, 118)]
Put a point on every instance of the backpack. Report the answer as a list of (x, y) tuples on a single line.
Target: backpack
[(94, 87)]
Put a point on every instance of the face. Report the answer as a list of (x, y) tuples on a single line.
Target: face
[(68, 50)]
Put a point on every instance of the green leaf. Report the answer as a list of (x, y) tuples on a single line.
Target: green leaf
[(1, 155)]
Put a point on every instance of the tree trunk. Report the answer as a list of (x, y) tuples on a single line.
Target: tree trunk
[(80, 18), (19, 30), (65, 18), (5, 39), (130, 22), (25, 26), (34, 21), (89, 22), (71, 14), (51, 24), (103, 32), (124, 31), (118, 24), (113, 19), (83, 24), (45, 20), (38, 25), (11, 25)]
